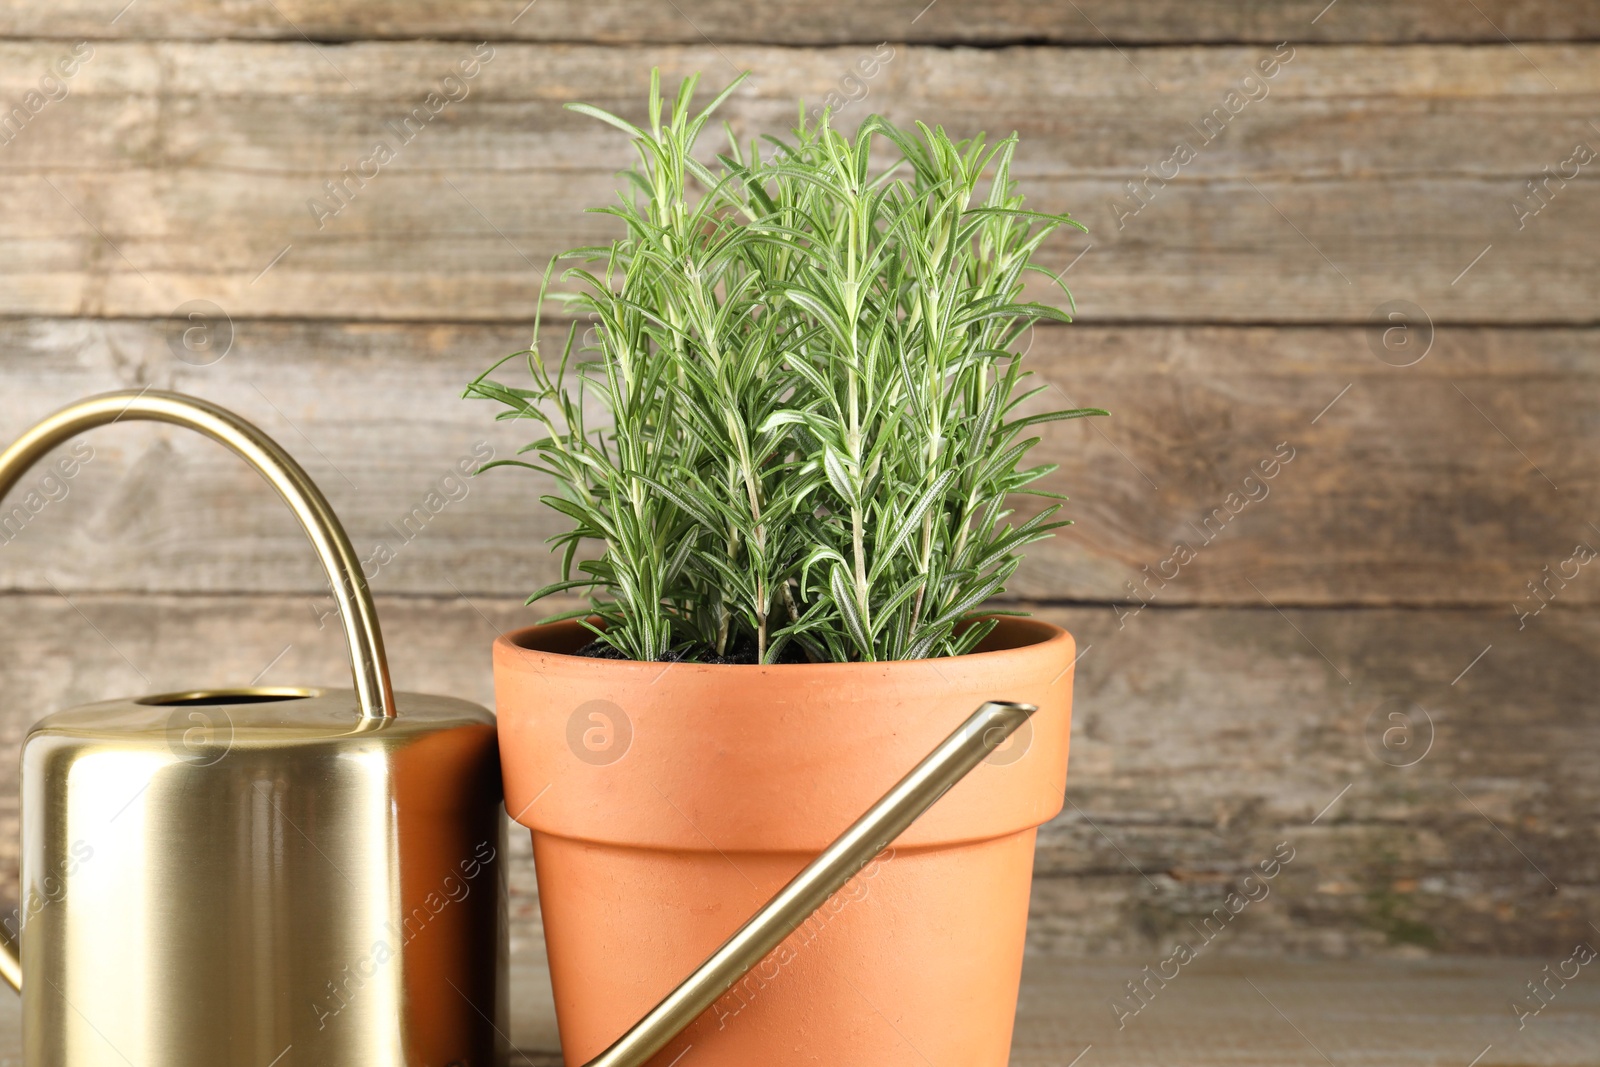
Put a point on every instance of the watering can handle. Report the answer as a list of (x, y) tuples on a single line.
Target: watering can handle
[(368, 664)]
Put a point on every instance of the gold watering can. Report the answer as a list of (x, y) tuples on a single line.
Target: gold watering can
[(302, 877), (267, 876)]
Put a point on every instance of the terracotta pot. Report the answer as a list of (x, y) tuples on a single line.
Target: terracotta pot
[(669, 801)]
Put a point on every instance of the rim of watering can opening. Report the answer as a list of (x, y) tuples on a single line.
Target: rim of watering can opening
[(211, 698)]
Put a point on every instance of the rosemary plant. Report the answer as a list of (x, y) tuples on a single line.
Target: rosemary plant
[(805, 357)]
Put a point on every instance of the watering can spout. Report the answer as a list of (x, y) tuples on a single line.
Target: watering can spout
[(984, 731), (10, 961)]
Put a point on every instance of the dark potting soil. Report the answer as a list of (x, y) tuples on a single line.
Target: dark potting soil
[(792, 653)]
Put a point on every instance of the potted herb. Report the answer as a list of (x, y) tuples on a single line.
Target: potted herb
[(785, 427)]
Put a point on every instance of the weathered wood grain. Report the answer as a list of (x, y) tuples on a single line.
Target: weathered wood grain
[(792, 23), (1202, 739), (275, 107), (1402, 489), (1302, 1013), (1421, 503), (175, 171), (1420, 1013)]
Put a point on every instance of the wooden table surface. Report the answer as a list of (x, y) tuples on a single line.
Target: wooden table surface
[(1261, 1012), (1227, 1012)]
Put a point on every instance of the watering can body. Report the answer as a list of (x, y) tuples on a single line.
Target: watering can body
[(268, 877), (210, 882)]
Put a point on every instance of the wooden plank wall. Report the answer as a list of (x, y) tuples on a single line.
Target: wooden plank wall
[(1379, 260)]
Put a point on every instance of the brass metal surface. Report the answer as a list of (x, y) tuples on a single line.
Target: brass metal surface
[(951, 761), (214, 882), (262, 877)]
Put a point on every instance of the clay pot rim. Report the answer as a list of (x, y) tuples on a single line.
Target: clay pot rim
[(1021, 634)]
